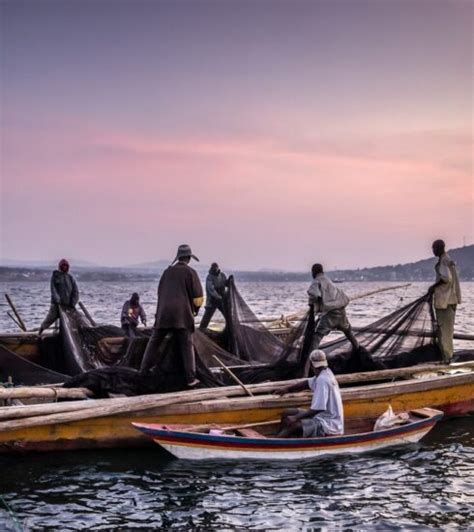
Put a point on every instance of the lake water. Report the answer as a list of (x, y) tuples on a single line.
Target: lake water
[(427, 486)]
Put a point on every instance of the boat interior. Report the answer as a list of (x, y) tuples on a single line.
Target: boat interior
[(269, 429)]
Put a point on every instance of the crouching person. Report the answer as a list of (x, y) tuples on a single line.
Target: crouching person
[(326, 415)]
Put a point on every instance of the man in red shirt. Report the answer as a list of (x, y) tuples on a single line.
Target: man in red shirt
[(180, 297)]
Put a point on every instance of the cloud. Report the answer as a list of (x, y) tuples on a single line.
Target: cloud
[(245, 194)]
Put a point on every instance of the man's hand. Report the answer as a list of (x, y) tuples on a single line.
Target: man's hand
[(292, 419)]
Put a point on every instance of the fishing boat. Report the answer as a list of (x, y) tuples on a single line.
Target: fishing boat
[(106, 423), (258, 441)]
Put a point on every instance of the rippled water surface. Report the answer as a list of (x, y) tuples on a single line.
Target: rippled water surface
[(430, 485)]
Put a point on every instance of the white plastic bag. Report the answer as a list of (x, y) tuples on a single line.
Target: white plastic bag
[(389, 419)]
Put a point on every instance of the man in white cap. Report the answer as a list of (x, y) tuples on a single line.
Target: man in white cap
[(326, 415), (179, 300)]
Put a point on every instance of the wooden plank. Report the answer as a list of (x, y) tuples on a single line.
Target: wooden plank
[(250, 433), (44, 392)]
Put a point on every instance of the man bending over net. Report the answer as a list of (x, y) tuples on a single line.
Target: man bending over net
[(331, 302)]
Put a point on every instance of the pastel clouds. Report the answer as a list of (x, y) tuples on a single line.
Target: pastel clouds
[(252, 200)]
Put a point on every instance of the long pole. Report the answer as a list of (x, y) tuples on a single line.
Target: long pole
[(298, 315), (86, 313), (15, 311), (233, 375), (12, 317)]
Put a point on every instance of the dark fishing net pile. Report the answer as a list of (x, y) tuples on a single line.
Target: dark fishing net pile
[(403, 338), (86, 347)]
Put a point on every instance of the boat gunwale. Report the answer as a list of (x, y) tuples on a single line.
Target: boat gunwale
[(182, 437)]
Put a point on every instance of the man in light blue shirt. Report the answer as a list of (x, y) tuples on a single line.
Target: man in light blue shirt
[(326, 415)]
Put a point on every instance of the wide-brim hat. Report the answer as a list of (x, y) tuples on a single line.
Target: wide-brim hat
[(184, 250), (318, 359)]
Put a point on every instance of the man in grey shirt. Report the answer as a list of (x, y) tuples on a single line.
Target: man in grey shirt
[(216, 284), (326, 415), (331, 302)]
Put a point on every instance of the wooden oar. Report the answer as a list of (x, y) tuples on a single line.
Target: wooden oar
[(15, 311)]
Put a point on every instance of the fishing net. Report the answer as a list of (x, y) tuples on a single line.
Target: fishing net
[(405, 337), (87, 347)]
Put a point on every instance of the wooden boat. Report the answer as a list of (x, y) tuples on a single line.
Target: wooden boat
[(257, 442), (105, 423)]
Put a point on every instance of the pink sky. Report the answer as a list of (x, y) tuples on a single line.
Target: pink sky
[(254, 168)]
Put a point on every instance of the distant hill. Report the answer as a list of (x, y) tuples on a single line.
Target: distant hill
[(422, 270)]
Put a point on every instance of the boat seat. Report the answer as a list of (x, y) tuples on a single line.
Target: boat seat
[(250, 433)]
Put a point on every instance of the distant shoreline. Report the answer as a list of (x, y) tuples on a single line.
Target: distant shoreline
[(420, 271)]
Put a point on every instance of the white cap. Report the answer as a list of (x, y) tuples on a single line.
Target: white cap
[(318, 359)]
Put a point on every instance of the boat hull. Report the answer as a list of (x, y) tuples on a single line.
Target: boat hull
[(196, 446), (452, 394)]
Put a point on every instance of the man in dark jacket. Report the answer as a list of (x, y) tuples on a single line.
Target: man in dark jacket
[(64, 292), (216, 283), (179, 300), (131, 312)]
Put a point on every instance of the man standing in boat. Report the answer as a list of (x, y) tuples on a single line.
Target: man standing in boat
[(446, 296), (179, 299), (131, 312), (216, 283), (326, 415), (331, 302), (64, 292)]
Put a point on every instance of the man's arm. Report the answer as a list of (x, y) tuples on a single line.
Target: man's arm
[(211, 289), (315, 296), (54, 293), (445, 276), (304, 414), (298, 387), (124, 314), (143, 315)]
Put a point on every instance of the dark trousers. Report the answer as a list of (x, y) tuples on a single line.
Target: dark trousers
[(129, 330), (184, 343), (209, 312), (51, 317)]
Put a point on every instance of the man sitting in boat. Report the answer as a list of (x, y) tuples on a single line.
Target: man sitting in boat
[(326, 415), (64, 292), (331, 302)]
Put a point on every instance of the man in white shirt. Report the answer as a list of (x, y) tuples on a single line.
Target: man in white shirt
[(326, 415), (331, 302), (446, 296)]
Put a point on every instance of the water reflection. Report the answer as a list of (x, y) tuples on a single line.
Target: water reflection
[(424, 486)]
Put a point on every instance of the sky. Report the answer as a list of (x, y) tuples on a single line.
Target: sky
[(264, 133)]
